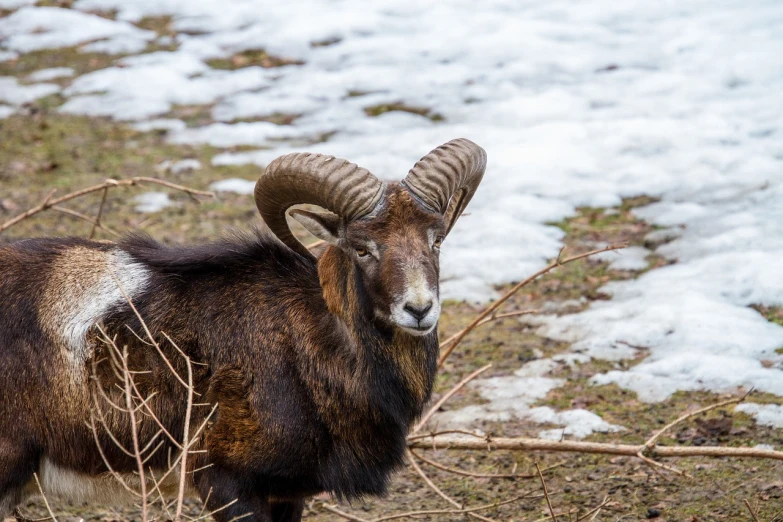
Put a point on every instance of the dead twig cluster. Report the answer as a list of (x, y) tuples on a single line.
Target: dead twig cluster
[(124, 398)]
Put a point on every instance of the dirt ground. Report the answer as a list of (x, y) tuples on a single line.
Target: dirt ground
[(43, 150)]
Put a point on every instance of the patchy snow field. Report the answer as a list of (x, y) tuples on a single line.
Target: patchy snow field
[(577, 104)]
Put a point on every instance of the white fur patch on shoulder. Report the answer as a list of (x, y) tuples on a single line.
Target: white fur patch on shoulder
[(120, 275), (85, 286)]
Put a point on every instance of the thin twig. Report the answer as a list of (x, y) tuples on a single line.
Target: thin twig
[(48, 202), (147, 331), (117, 476), (654, 439), (464, 473), (433, 434), (135, 435), (448, 395), (595, 511), (752, 513), (651, 442), (546, 493), (46, 501), (408, 514), (185, 441), (439, 491), (493, 317), (343, 514), (494, 306), (100, 213), (84, 217)]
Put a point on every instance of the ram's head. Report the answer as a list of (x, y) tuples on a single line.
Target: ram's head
[(391, 231)]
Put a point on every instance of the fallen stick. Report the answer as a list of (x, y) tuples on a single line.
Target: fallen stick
[(628, 450)]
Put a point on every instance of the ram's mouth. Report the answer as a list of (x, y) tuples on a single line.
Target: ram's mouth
[(418, 330)]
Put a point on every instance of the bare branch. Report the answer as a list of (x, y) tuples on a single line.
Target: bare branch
[(494, 317), (654, 439), (410, 514), (595, 511), (100, 214), (752, 513), (480, 475), (546, 493), (85, 217), (48, 202), (49, 509), (440, 492), (494, 306), (185, 439)]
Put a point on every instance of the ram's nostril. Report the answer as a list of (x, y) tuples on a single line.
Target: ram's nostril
[(418, 311)]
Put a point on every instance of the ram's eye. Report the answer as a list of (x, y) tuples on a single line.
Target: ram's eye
[(437, 242), (361, 252)]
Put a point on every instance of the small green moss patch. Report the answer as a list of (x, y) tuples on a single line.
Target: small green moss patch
[(772, 314), (377, 110), (257, 57)]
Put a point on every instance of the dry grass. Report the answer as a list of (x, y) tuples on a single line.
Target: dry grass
[(44, 150)]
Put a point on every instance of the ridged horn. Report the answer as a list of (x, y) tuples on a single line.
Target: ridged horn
[(335, 184), (446, 178)]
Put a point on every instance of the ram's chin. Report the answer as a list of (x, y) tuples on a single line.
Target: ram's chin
[(417, 331)]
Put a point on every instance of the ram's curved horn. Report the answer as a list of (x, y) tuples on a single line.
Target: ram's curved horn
[(450, 173), (332, 183)]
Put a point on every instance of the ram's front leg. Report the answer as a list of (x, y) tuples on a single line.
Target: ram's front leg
[(290, 511), (230, 495)]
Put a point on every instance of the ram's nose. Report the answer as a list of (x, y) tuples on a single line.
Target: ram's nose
[(418, 311)]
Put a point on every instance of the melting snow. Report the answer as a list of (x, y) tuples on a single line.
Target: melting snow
[(45, 75), (35, 28), (236, 185), (511, 397), (166, 124), (577, 104), (630, 258), (149, 202), (176, 167), (766, 414), (11, 91), (5, 111)]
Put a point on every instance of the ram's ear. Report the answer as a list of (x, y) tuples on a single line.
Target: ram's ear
[(323, 225)]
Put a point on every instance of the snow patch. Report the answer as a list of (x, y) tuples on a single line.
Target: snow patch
[(15, 4), (235, 185), (8, 55), (177, 167), (6, 111), (166, 124), (11, 91), (53, 73), (765, 414), (119, 44), (225, 135), (149, 84), (629, 258), (149, 202), (36, 28), (511, 398)]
